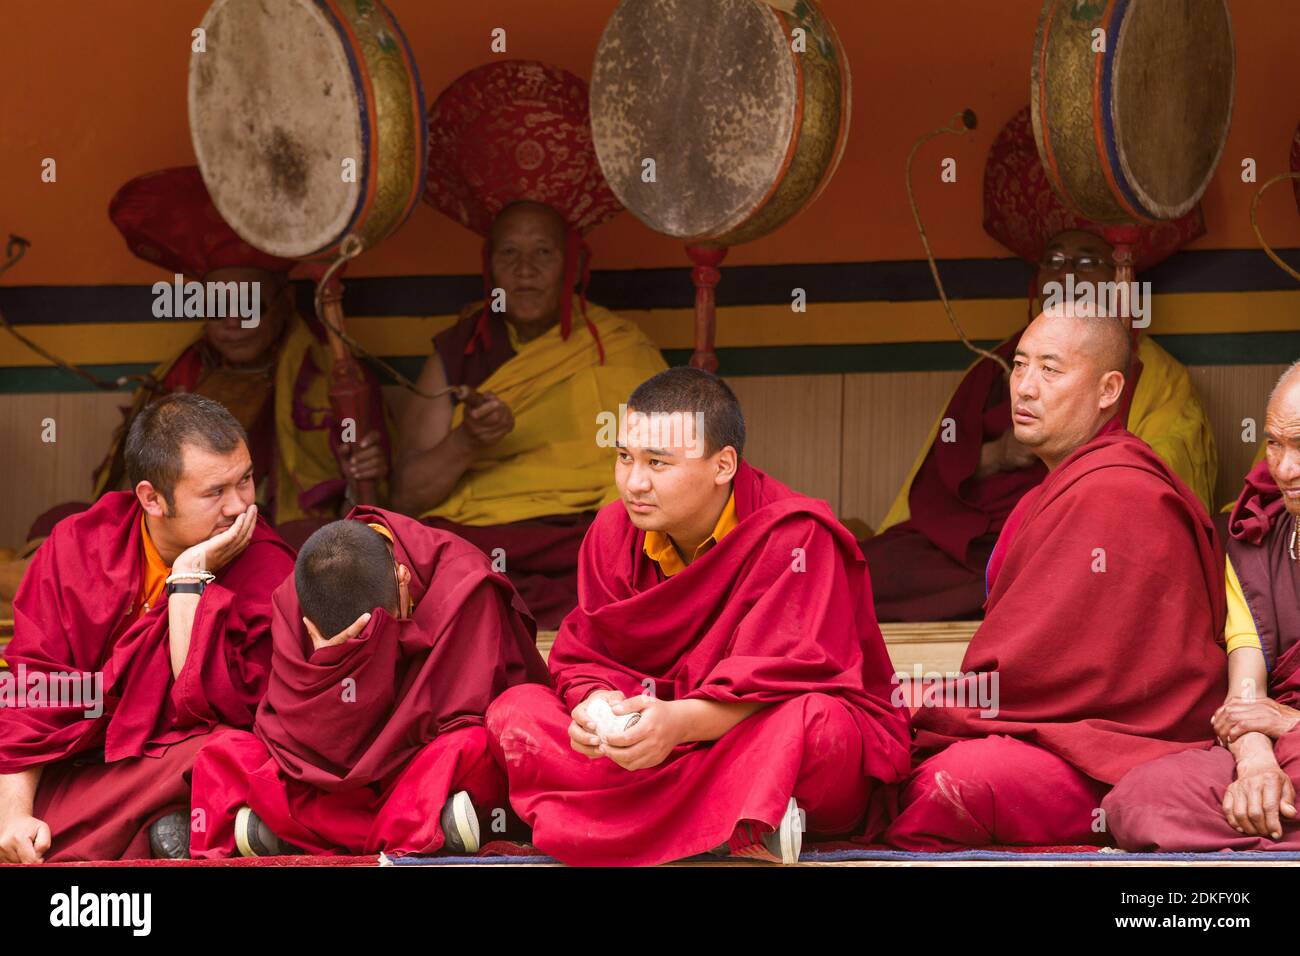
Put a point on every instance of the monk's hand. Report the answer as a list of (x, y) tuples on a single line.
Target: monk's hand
[(649, 741), (23, 839), (582, 729), (1263, 715), (215, 553), (1259, 798), (488, 422), (367, 459), (354, 629)]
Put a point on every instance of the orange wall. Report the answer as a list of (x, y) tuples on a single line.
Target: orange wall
[(101, 87)]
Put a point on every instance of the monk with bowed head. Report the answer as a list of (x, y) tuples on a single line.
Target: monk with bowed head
[(158, 600), (722, 686), (389, 643), (1097, 651)]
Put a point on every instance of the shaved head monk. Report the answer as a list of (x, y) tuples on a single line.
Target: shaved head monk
[(1241, 793), (928, 559), (513, 469), (1098, 651), (390, 642), (159, 599), (722, 685)]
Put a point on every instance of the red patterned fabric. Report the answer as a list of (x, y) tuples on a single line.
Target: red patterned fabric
[(1022, 212), (168, 218), (511, 131), (515, 130)]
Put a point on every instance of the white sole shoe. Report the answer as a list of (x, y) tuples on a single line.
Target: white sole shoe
[(460, 824)]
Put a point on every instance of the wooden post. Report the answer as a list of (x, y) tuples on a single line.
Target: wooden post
[(706, 275)]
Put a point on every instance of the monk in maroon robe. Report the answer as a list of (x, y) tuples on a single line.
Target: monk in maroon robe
[(928, 561), (158, 601), (722, 686), (1241, 793), (372, 740), (1098, 647)]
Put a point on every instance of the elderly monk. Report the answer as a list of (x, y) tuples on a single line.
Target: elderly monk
[(159, 601), (722, 685), (515, 470), (1241, 794), (389, 644), (928, 561), (1109, 554)]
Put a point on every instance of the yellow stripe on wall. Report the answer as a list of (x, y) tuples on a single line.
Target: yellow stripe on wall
[(839, 323)]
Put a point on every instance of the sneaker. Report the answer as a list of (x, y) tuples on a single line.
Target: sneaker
[(254, 838), (752, 842), (169, 837), (459, 823)]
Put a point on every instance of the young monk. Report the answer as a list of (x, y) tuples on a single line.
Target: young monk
[(1098, 648), (1241, 794), (731, 617), (164, 594), (390, 642)]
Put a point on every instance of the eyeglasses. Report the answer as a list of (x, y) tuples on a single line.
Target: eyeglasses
[(1078, 265)]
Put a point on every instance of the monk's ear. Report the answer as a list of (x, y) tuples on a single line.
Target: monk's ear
[(1112, 388), (728, 462), (151, 500), (403, 574)]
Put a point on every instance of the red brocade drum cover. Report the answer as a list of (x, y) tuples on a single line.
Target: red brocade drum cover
[(743, 106), (307, 118), (1131, 102)]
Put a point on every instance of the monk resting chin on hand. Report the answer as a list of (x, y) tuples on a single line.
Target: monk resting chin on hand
[(663, 725)]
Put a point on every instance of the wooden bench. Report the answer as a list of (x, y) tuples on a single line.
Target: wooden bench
[(935, 646)]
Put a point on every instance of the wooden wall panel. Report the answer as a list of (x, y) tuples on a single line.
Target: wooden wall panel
[(792, 425), (886, 418), (1231, 393), (38, 474)]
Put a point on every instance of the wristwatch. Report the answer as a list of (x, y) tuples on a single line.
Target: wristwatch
[(186, 587)]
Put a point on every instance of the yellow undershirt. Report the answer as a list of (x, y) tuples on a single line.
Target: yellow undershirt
[(659, 547), (1240, 630)]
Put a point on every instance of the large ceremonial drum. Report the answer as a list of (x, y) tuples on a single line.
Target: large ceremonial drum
[(1131, 102), (308, 122), (743, 108)]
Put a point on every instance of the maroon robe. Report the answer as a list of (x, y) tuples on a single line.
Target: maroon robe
[(107, 778), (357, 746), (931, 566), (1175, 803), (1101, 665), (543, 551), (777, 612)]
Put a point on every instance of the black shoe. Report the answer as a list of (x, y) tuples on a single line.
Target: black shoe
[(459, 824), (254, 838), (169, 837)]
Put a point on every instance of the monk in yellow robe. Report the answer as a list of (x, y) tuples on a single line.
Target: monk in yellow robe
[(928, 559), (272, 373), (519, 469)]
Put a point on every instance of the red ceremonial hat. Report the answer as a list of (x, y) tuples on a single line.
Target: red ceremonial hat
[(514, 130), (1023, 212), (519, 130), (168, 218)]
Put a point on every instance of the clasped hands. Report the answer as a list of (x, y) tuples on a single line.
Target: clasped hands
[(647, 743)]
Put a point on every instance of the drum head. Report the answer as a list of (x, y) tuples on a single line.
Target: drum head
[(708, 90), (1172, 102), (274, 111)]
